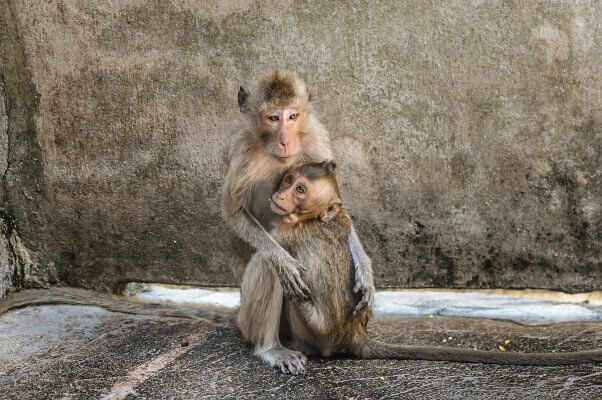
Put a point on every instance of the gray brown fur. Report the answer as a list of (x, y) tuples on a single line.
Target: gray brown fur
[(253, 172), (279, 91)]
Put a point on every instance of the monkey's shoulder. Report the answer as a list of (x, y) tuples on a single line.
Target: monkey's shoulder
[(339, 224)]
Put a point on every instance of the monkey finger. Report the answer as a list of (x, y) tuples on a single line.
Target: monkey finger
[(282, 367), (365, 303), (293, 296), (294, 292), (292, 368), (300, 366), (306, 292), (290, 293), (298, 266), (301, 289), (370, 294), (302, 293), (357, 286), (301, 357), (290, 286), (361, 307)]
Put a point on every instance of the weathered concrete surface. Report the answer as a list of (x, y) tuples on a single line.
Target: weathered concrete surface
[(468, 133), (82, 352)]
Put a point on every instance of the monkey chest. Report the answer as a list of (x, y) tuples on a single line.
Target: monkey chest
[(329, 275), (260, 202)]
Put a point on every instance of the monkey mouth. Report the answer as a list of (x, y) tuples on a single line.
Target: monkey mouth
[(287, 158), (277, 209)]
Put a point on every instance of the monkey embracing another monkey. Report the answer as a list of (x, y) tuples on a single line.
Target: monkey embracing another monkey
[(314, 228), (279, 129)]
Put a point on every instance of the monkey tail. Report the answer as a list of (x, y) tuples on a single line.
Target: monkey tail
[(112, 303), (373, 349)]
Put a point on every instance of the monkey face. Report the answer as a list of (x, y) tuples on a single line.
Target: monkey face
[(291, 194), (282, 127), (304, 196)]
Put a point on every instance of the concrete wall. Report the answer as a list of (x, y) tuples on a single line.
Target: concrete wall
[(468, 134)]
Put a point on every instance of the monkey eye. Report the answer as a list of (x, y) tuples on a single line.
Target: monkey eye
[(300, 189), (273, 118), (294, 116), (289, 179)]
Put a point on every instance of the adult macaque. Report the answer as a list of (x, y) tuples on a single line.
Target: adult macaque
[(314, 228), (278, 130)]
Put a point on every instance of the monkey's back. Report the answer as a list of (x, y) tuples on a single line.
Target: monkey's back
[(325, 325)]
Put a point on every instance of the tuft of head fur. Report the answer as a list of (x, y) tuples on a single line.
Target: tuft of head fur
[(282, 87)]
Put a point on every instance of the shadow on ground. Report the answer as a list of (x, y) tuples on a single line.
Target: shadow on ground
[(73, 352)]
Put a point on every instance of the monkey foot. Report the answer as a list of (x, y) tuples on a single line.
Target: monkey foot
[(288, 361)]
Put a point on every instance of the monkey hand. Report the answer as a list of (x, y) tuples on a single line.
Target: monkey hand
[(364, 282), (289, 272)]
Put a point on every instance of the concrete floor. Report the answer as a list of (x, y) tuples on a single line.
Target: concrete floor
[(74, 352)]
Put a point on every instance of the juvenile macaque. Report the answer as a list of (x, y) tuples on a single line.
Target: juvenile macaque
[(313, 228), (279, 130)]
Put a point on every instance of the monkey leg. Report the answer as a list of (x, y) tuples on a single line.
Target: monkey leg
[(259, 317)]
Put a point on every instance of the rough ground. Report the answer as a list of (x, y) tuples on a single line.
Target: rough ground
[(71, 352)]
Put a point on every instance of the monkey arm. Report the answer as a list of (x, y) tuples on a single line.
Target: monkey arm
[(364, 280), (247, 227)]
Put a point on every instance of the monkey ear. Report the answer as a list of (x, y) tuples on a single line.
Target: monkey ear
[(311, 95), (243, 99), (330, 212), (329, 166)]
